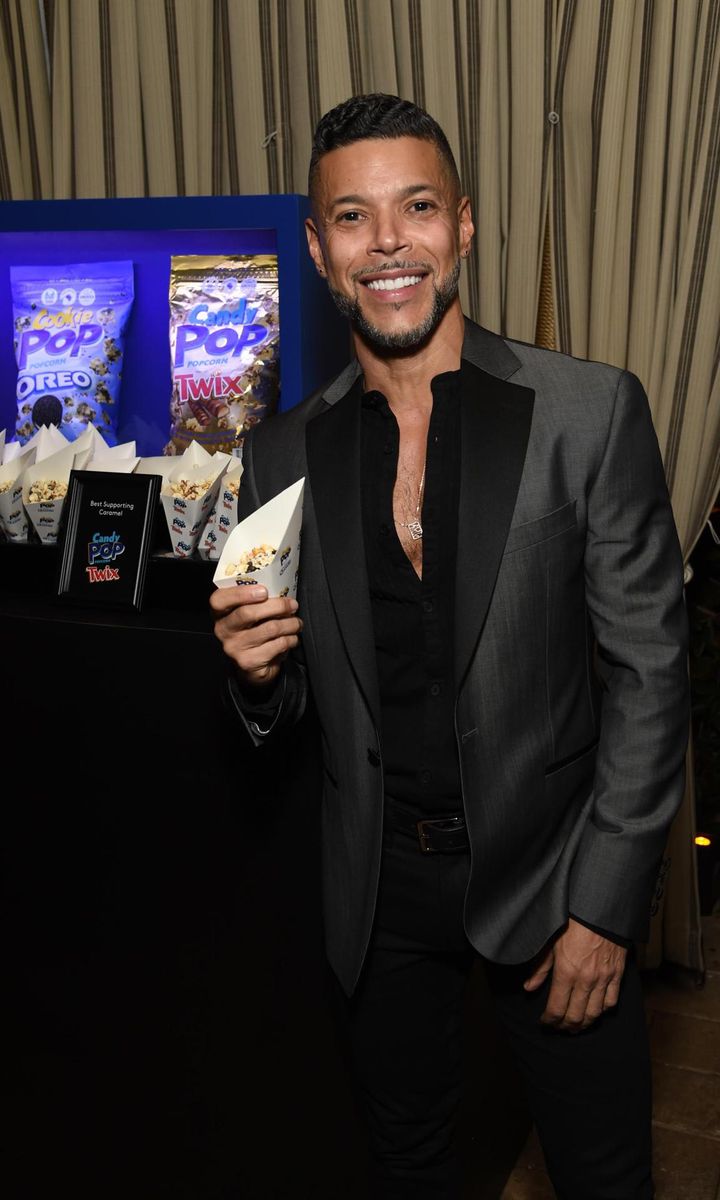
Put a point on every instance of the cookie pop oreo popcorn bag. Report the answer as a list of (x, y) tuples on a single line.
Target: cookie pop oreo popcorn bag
[(224, 343), (69, 326)]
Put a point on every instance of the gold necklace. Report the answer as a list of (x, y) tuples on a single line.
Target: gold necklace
[(414, 527)]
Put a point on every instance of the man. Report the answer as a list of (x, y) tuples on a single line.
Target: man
[(490, 620)]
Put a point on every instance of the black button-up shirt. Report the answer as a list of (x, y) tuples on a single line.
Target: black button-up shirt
[(413, 619)]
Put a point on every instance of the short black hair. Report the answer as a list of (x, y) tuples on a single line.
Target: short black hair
[(377, 115)]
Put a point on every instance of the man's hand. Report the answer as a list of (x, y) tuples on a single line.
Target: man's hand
[(586, 973), (255, 632)]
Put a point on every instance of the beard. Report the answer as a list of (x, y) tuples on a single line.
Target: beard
[(444, 293)]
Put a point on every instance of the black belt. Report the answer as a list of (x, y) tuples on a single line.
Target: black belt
[(436, 835)]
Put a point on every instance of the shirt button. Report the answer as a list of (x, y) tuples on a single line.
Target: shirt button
[(425, 776), (428, 606), (385, 529), (435, 689), (388, 448)]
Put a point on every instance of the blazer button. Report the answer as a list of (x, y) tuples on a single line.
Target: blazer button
[(373, 757)]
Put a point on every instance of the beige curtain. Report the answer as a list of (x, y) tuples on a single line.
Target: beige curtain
[(636, 257), (587, 132)]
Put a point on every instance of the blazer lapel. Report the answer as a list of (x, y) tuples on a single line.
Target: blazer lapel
[(332, 442), (495, 419)]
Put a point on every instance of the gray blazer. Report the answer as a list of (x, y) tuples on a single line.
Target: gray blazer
[(570, 647)]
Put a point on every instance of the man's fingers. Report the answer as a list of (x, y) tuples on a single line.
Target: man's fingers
[(557, 1001), (262, 632), (540, 973), (587, 969), (255, 631), (224, 600), (249, 616), (582, 1008), (584, 1002), (612, 993)]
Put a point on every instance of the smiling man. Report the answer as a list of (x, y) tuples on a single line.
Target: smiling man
[(490, 621)]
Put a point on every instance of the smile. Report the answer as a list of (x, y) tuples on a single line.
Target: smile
[(393, 285)]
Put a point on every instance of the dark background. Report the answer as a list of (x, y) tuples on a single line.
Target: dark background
[(169, 1021)]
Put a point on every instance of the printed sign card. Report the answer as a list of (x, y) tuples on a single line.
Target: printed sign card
[(107, 538)]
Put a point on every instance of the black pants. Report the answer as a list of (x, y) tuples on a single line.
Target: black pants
[(589, 1093)]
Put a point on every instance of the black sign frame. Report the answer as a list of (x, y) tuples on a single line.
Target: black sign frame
[(93, 568)]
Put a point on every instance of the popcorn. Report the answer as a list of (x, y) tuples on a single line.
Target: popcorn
[(44, 490), (190, 491), (252, 560)]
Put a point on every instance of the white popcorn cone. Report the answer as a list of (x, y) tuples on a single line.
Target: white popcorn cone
[(47, 441), (186, 517), (45, 514), (13, 517), (224, 515), (277, 526)]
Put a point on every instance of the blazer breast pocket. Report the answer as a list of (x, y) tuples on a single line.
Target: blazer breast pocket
[(531, 533)]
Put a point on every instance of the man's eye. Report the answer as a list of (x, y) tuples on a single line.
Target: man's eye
[(350, 216), (421, 206)]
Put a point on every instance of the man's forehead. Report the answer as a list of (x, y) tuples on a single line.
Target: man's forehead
[(406, 160)]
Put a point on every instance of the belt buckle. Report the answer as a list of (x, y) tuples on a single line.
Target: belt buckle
[(424, 838), (426, 827)]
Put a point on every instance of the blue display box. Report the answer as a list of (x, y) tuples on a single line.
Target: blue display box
[(314, 341)]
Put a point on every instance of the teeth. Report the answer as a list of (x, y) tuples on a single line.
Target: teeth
[(393, 285)]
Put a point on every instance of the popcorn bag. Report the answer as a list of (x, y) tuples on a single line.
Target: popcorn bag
[(224, 347), (45, 487), (265, 547), (13, 518), (187, 496), (224, 515), (69, 324)]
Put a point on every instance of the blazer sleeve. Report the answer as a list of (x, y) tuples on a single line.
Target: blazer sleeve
[(285, 704), (634, 588)]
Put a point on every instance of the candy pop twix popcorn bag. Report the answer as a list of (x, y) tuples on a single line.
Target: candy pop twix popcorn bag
[(69, 328), (224, 348)]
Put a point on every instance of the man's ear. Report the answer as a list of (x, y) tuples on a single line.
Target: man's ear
[(465, 226), (314, 246)]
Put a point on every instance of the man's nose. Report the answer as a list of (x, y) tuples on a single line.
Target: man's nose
[(390, 234)]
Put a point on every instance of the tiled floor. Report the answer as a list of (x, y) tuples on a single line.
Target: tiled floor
[(684, 1025)]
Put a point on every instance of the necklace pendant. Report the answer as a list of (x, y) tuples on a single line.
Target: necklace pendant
[(415, 530)]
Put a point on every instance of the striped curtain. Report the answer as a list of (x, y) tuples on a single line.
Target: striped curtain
[(635, 234), (587, 133)]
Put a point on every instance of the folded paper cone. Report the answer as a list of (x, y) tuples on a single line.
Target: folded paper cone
[(161, 464), (47, 441), (224, 515), (13, 517), (123, 450), (186, 515), (87, 446), (271, 537), (44, 503), (120, 466)]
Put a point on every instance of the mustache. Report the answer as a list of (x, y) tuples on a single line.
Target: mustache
[(395, 264)]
